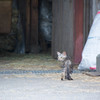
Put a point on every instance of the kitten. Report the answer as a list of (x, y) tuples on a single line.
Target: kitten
[(67, 66)]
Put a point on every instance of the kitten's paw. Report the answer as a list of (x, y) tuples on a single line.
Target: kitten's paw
[(71, 79), (61, 79), (68, 78)]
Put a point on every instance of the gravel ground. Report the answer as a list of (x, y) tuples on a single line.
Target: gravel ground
[(48, 87)]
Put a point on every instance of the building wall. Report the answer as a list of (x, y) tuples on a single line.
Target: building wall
[(62, 32), (67, 27), (5, 16)]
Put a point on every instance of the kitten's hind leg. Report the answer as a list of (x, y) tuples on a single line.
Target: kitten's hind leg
[(67, 74), (68, 77)]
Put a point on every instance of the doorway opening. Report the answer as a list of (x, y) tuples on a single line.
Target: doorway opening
[(45, 25)]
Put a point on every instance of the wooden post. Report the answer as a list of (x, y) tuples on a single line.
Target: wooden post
[(34, 26), (78, 30), (27, 37)]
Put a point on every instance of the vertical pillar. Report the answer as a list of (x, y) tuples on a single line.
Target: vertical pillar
[(34, 26), (78, 29), (27, 37)]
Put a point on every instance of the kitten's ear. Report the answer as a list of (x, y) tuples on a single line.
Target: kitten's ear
[(58, 53), (64, 53)]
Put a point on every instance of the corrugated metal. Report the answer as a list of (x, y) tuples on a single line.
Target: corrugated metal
[(62, 33), (5, 16)]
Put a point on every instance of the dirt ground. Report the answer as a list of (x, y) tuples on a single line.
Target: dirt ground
[(41, 62), (28, 62), (43, 85)]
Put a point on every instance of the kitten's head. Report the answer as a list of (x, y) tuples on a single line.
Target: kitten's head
[(62, 56)]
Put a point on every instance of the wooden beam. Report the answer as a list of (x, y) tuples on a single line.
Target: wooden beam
[(78, 30), (27, 37), (34, 26)]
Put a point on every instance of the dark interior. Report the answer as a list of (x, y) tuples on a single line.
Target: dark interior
[(45, 25)]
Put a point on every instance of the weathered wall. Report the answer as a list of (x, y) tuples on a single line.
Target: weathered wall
[(62, 32), (13, 41), (5, 16), (8, 41)]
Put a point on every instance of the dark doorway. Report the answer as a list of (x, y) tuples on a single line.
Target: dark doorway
[(45, 25)]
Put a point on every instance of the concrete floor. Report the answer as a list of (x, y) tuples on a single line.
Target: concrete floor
[(37, 77), (48, 87)]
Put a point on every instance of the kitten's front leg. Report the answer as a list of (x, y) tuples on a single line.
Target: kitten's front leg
[(63, 73)]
